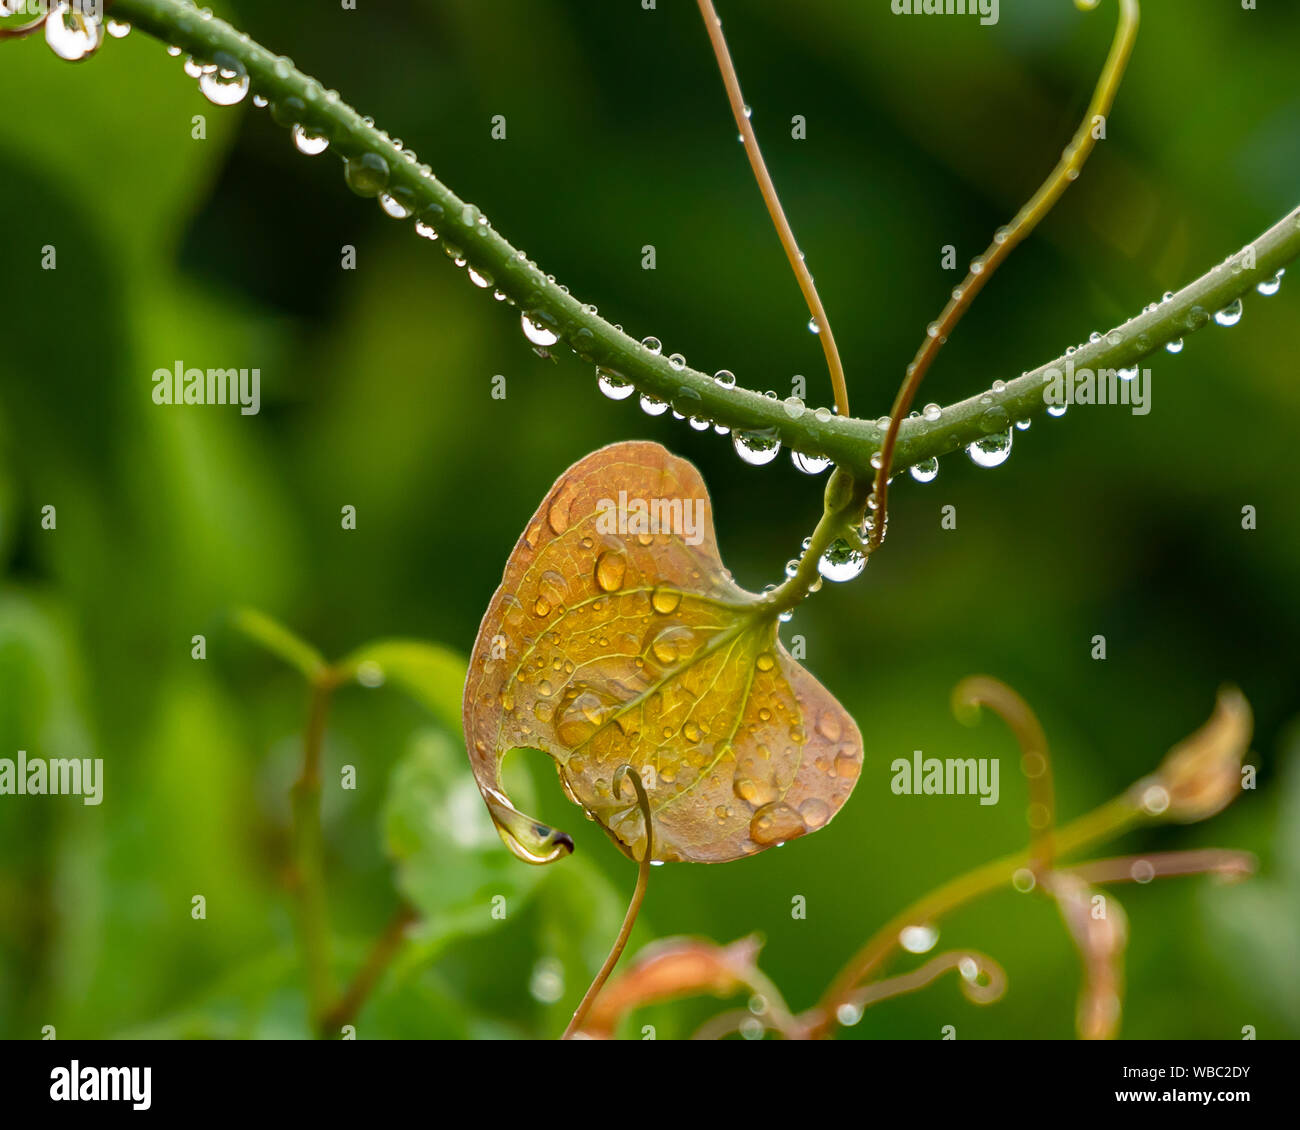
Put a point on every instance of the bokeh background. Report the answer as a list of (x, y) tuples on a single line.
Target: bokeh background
[(376, 388)]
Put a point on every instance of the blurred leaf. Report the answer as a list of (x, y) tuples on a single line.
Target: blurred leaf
[(279, 641), (617, 637), (451, 865), (432, 675)]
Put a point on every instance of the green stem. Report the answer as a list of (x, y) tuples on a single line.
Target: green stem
[(850, 443), (1101, 824), (309, 859)]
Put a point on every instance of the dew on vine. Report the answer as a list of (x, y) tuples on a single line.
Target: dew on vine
[(814, 327), (652, 406), (71, 35), (822, 415), (393, 207), (809, 464), (1023, 425), (999, 386), (991, 450), (537, 333), (308, 142), (794, 407), (224, 85), (117, 29), (700, 423), (756, 448), (932, 412), (366, 175), (1270, 287), (925, 471), (1127, 374), (677, 362), (1230, 315), (841, 561), (1175, 346), (725, 378), (652, 345), (427, 231), (1057, 410), (480, 279)]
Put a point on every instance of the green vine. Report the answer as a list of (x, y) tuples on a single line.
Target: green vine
[(376, 165)]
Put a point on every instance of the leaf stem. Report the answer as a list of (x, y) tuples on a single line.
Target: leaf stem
[(765, 186), (849, 442)]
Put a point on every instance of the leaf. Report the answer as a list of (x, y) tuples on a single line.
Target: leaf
[(670, 969), (280, 642), (611, 642), (430, 674)]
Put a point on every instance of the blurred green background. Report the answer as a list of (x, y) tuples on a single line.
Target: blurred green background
[(376, 387)]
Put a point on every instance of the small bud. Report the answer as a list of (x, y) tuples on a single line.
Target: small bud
[(1201, 775)]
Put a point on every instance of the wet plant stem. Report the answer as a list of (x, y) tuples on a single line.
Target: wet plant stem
[(1104, 823), (309, 856), (850, 443)]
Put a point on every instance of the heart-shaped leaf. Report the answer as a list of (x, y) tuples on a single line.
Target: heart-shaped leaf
[(618, 637)]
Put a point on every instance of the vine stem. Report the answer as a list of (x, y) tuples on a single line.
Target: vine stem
[(850, 443), (1004, 242), (1103, 823), (740, 112)]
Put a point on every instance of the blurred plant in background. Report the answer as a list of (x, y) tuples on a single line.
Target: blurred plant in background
[(377, 393)]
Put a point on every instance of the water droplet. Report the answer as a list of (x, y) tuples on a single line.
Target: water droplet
[(227, 84), (1127, 374), (848, 1015), (1057, 410), (547, 981), (366, 175), (932, 412), (725, 378), (918, 939), (776, 823), (841, 561), (1175, 346), (308, 142), (652, 407), (814, 326), (794, 407), (611, 568), (117, 29), (393, 207), (665, 600), (809, 464), (925, 471), (991, 450), (677, 362), (614, 385), (536, 332), (479, 278), (71, 35), (756, 448), (1270, 287), (1230, 315), (652, 344)]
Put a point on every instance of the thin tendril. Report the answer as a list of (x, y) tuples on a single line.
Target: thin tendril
[(1065, 173), (624, 772), (714, 26)]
